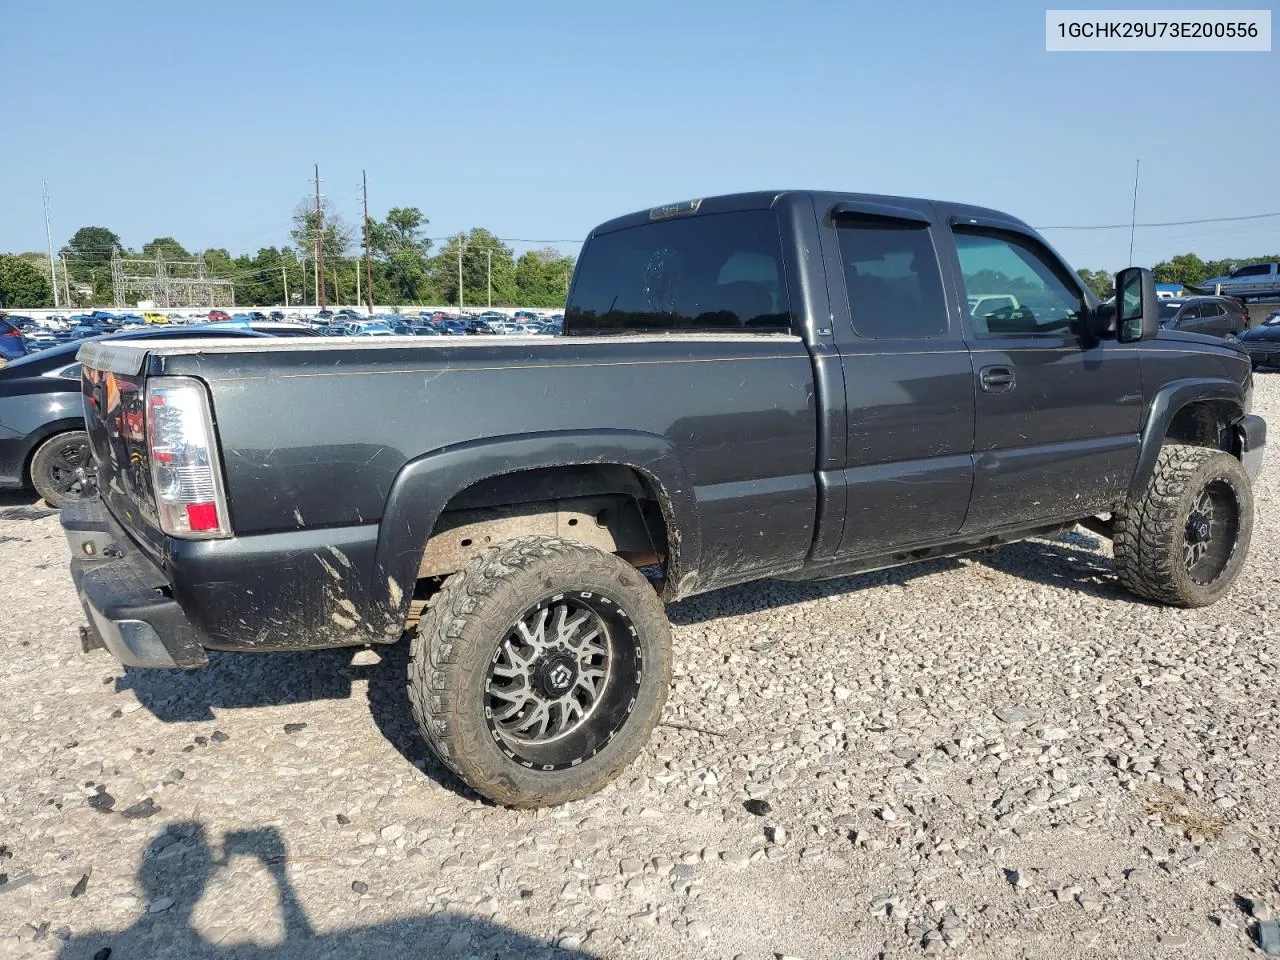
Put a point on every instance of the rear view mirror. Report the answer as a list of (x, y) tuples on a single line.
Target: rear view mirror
[(1135, 305)]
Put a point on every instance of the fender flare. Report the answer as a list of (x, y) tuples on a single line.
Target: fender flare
[(425, 485), (1168, 402)]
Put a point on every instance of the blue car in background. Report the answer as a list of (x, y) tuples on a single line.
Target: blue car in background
[(12, 344)]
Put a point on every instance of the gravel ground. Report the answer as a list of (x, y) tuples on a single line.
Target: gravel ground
[(1002, 756)]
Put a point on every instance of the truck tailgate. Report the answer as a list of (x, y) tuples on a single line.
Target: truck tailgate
[(115, 418)]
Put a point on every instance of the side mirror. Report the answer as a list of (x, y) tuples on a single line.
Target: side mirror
[(1102, 320), (1136, 313)]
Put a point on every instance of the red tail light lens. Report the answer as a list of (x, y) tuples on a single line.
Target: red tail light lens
[(186, 476)]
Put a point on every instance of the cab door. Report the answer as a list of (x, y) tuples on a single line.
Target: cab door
[(1059, 412), (909, 397)]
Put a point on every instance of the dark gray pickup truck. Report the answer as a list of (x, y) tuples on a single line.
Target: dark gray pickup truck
[(795, 385)]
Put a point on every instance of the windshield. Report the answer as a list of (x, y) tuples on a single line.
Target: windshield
[(1169, 309)]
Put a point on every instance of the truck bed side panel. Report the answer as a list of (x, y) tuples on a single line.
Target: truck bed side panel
[(316, 438)]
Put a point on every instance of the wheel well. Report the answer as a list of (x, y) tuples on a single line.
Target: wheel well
[(1205, 423), (615, 508)]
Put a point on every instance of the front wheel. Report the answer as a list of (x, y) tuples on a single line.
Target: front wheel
[(1183, 543), (540, 670)]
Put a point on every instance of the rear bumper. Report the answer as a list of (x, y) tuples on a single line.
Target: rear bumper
[(1252, 433), (125, 595)]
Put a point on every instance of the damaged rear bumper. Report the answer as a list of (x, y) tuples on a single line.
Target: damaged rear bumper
[(125, 595)]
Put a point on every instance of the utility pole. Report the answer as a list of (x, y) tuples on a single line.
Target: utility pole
[(460, 242), (48, 233), (489, 268), (321, 299), (66, 282), (368, 264), (1133, 223), (358, 300), (284, 278)]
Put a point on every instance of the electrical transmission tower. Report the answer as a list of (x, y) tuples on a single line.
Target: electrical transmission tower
[(168, 284)]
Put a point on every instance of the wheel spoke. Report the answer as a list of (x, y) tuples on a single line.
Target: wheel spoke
[(512, 711), (537, 637), (535, 724)]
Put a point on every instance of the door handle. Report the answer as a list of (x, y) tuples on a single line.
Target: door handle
[(996, 379)]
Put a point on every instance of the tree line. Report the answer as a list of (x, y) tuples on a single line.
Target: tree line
[(404, 266), (405, 269)]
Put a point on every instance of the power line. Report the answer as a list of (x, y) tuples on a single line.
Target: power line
[(1167, 223)]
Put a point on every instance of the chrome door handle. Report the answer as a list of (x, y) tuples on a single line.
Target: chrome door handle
[(996, 379)]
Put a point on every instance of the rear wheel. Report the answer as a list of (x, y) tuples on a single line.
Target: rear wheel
[(1183, 543), (62, 469), (540, 670)]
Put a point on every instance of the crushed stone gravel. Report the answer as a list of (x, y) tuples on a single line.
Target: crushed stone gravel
[(999, 756)]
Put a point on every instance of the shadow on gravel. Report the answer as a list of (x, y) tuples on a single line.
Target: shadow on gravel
[(1061, 564), (178, 865), (243, 681), (20, 498), (1068, 561), (236, 680)]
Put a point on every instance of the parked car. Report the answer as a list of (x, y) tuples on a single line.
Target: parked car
[(277, 315), (219, 315), (1253, 280), (12, 344), (42, 439), (739, 435), (151, 316), (1262, 343), (1213, 316)]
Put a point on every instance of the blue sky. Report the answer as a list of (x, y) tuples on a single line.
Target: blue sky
[(540, 120)]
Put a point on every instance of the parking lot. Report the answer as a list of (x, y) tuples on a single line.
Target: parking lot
[(1005, 755)]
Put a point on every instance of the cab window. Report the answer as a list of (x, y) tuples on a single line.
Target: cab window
[(1014, 288)]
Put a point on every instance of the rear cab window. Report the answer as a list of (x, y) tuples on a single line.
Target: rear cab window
[(892, 278), (697, 273)]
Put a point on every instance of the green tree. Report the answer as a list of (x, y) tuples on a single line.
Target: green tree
[(1100, 282), (336, 243), (167, 247), (486, 263), (403, 256), (542, 278), (22, 285), (1184, 268), (89, 258)]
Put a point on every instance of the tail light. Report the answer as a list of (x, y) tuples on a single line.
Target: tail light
[(11, 332), (186, 475)]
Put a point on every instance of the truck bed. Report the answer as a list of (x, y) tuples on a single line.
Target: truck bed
[(327, 446)]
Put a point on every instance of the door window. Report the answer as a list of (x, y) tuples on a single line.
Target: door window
[(1191, 313), (1013, 288), (1253, 270), (892, 279)]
